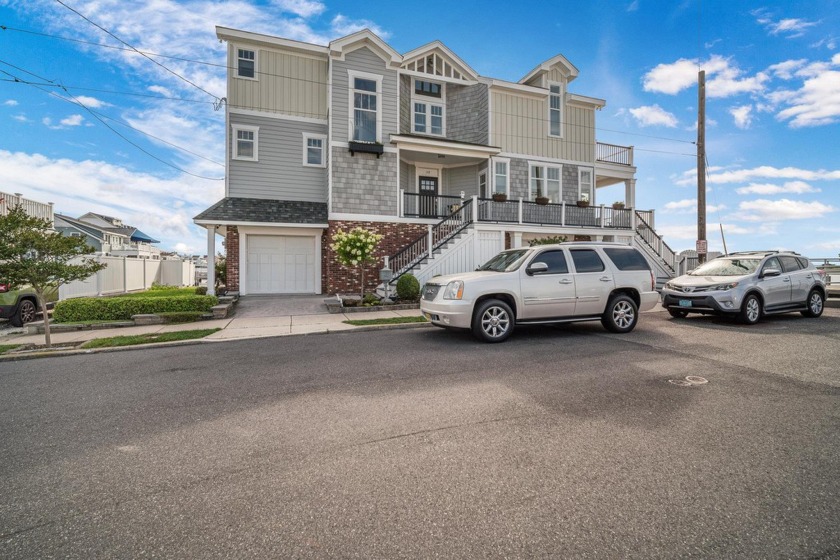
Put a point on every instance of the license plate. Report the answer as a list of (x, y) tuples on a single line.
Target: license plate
[(685, 303)]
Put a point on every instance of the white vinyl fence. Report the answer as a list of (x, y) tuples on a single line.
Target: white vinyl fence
[(126, 274)]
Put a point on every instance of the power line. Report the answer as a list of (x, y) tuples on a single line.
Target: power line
[(176, 74), (97, 117), (114, 92)]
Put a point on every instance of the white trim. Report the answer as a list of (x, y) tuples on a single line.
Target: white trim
[(314, 136), (518, 89), (493, 162), (532, 157), (228, 150), (545, 167), (365, 38), (351, 77), (484, 174), (330, 134), (429, 48), (249, 48), (437, 78), (442, 146), (585, 101), (561, 110), (235, 128), (258, 224), (592, 188), (230, 34), (429, 101), (566, 68), (278, 116)]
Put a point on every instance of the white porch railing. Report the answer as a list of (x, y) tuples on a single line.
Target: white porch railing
[(33, 208)]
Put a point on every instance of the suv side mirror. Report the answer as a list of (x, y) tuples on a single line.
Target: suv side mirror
[(536, 268), (770, 272)]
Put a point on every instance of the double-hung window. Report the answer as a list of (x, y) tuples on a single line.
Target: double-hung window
[(428, 108), (246, 63), (555, 110), (546, 181), (245, 142), (585, 175), (313, 150), (364, 91), (500, 176)]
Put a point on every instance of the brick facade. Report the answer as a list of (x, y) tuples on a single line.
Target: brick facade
[(336, 278), (232, 258)]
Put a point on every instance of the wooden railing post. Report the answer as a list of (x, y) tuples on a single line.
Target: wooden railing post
[(475, 208), (520, 210), (430, 242)]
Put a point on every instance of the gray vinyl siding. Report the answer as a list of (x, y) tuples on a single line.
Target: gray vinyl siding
[(363, 60), (363, 183), (405, 105), (459, 179), (288, 83), (279, 174), (406, 176), (466, 113), (520, 125)]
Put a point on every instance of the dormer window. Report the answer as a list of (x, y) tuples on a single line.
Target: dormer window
[(246, 64), (555, 110), (428, 108)]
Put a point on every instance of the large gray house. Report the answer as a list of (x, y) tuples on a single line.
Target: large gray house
[(448, 165)]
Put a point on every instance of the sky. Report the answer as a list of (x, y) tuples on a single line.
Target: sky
[(91, 125)]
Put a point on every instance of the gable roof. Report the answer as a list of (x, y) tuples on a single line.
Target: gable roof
[(253, 210), (437, 60), (365, 38), (84, 227), (560, 62)]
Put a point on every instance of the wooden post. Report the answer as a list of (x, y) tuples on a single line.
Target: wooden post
[(701, 163)]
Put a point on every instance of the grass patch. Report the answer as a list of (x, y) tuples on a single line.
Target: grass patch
[(148, 338), (385, 321), (7, 347), (181, 316)]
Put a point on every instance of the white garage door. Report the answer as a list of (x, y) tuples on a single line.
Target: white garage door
[(281, 264)]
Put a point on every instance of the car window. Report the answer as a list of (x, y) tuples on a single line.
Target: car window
[(791, 264), (626, 259), (587, 260), (727, 267), (803, 262), (772, 262), (556, 261), (505, 261)]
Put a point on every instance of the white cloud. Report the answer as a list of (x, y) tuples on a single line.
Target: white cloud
[(102, 187), (302, 8), (10, 103), (689, 206), (20, 118), (342, 25), (72, 120), (785, 70), (763, 210), (763, 172), (830, 245), (723, 79), (791, 187), (816, 103), (653, 115), (634, 6), (790, 27), (91, 102), (161, 90), (742, 115)]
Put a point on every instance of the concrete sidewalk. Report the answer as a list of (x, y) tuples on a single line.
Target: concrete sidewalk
[(232, 328)]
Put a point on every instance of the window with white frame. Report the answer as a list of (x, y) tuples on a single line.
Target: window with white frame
[(428, 108), (245, 142), (585, 179), (364, 93), (313, 150), (546, 181), (555, 110), (482, 185), (500, 176), (246, 63)]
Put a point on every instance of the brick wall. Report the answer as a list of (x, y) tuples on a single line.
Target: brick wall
[(232, 258), (336, 278)]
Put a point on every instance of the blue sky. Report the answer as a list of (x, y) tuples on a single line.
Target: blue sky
[(773, 107)]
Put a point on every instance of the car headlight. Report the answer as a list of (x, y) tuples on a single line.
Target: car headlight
[(454, 290), (670, 286), (724, 287)]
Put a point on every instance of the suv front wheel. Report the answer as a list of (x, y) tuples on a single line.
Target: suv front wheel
[(25, 313), (493, 321), (621, 314), (750, 310)]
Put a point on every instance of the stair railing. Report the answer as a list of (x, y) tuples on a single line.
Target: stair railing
[(655, 242)]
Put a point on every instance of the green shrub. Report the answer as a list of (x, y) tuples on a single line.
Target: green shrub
[(122, 308), (408, 287), (181, 316), (161, 291), (547, 240), (201, 291), (370, 299)]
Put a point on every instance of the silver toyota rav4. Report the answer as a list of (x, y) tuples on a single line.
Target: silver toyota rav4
[(566, 282), (748, 285)]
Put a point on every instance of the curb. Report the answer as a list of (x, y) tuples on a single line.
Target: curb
[(86, 351)]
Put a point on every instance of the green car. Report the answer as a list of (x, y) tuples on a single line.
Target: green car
[(21, 306)]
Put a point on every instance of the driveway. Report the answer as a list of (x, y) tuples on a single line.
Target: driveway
[(279, 305)]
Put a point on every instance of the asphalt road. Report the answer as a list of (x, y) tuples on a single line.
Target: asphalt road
[(564, 442)]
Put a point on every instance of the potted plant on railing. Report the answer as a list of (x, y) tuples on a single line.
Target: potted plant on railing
[(540, 199), (618, 205), (366, 147), (499, 197), (583, 202)]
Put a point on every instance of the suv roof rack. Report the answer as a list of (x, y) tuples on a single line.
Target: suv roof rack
[(765, 252)]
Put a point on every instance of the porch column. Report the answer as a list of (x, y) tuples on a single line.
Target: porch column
[(630, 193), (517, 239), (211, 260)]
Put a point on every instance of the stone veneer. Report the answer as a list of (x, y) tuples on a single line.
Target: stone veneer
[(337, 278), (232, 259)]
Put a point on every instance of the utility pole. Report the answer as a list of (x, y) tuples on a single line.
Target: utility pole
[(701, 168)]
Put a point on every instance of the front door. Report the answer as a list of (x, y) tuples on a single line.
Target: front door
[(428, 187)]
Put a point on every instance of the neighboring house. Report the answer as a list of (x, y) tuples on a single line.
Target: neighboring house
[(108, 235), (413, 146), (43, 210)]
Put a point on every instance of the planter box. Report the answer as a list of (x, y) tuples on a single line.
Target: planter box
[(366, 147)]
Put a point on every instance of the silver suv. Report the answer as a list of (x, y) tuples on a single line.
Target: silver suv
[(566, 282), (748, 285)]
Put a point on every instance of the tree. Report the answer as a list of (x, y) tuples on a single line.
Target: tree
[(31, 253), (221, 271), (356, 248)]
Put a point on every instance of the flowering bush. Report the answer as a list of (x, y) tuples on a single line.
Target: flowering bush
[(355, 248)]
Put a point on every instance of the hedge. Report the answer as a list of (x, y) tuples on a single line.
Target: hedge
[(121, 309)]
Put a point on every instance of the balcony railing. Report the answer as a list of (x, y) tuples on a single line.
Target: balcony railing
[(611, 153), (429, 206), (32, 208)]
